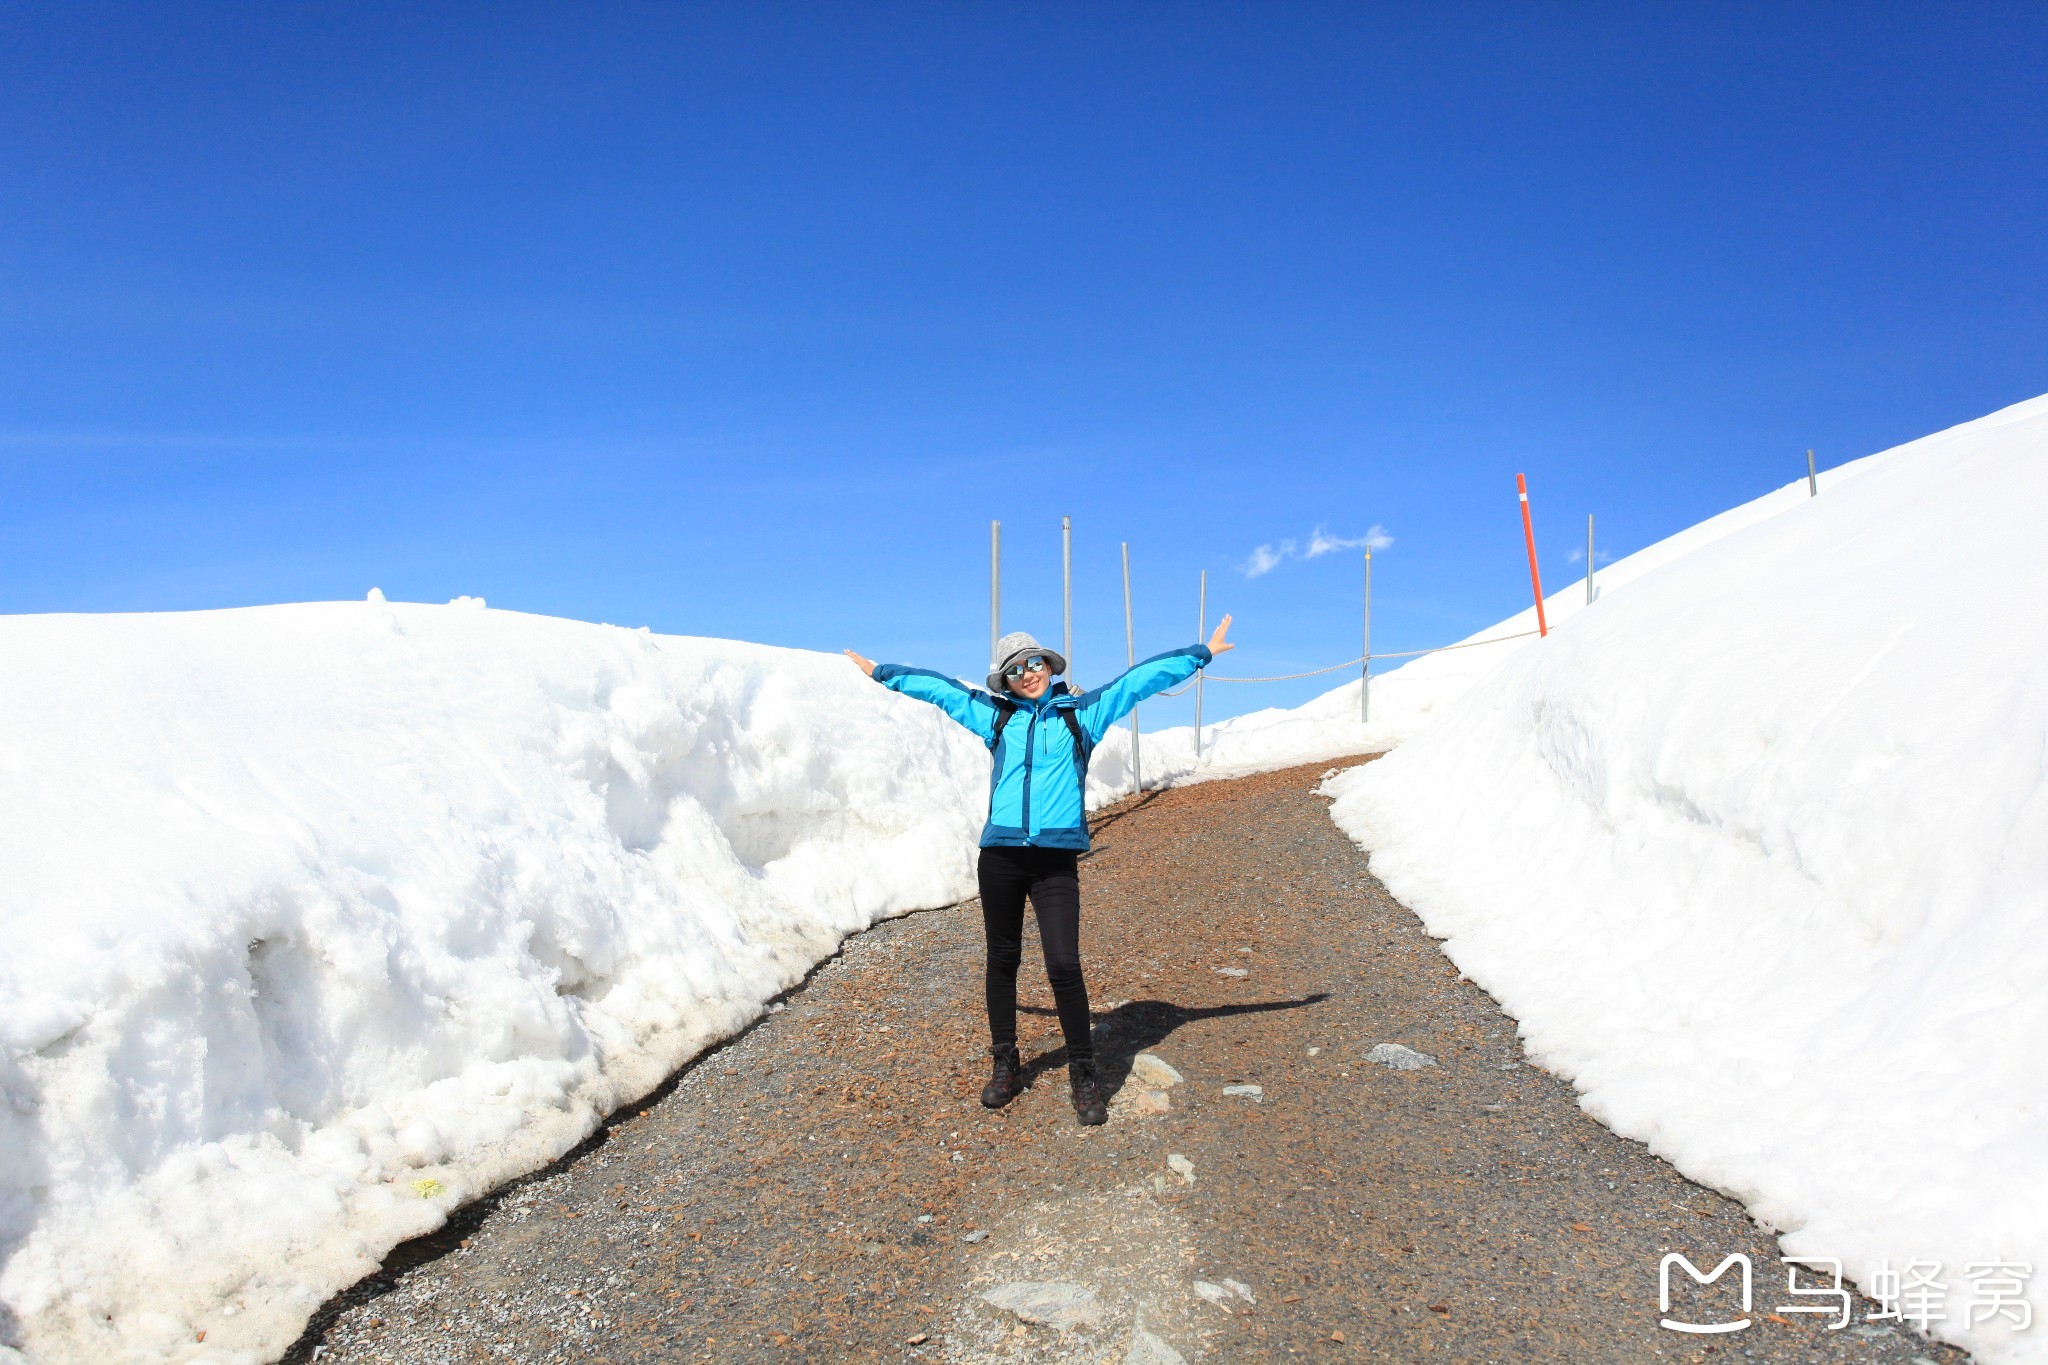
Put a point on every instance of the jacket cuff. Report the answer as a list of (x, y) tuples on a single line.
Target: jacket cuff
[(884, 672), (1203, 658)]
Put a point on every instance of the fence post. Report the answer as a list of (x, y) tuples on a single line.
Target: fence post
[(1365, 664), (1529, 535), (1812, 479), (1131, 659), (1201, 634), (995, 589), (1589, 559), (1067, 594)]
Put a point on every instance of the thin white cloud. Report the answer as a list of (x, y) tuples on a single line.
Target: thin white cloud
[(1269, 557), (1321, 542)]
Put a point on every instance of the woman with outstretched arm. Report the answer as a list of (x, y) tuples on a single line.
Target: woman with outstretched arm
[(1041, 735)]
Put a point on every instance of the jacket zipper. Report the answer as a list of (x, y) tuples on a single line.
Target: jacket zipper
[(1030, 734)]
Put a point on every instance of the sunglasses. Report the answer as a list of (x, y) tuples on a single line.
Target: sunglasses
[(1034, 664)]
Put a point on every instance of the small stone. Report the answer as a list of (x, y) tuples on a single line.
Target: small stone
[(959, 1156), (1212, 1293), (978, 1235), (1154, 1072), (1509, 1066), (1181, 1167), (1146, 1349), (1241, 1289), (1148, 1103), (1315, 1052), (777, 1008), (1232, 971), (924, 1218), (1054, 1303), (1394, 1057), (1256, 1094)]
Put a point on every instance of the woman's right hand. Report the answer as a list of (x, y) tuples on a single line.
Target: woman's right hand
[(867, 666)]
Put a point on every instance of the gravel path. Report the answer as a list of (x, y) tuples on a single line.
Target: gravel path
[(826, 1186)]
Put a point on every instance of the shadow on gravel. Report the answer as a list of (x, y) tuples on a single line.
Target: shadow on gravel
[(1123, 811), (1136, 1025)]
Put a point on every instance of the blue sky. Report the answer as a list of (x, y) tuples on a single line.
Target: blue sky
[(745, 320)]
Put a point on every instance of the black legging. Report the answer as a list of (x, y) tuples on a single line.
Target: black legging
[(1053, 881)]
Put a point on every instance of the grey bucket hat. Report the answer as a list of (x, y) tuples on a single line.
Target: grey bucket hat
[(1020, 645)]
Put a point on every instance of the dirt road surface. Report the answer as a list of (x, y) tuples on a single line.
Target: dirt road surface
[(827, 1187)]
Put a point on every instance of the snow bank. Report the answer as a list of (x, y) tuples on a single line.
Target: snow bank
[(320, 920), (1757, 852)]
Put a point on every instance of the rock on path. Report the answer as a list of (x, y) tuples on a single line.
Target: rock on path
[(812, 1190)]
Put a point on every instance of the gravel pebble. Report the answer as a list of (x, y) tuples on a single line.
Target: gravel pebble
[(1054, 1304), (1395, 1057)]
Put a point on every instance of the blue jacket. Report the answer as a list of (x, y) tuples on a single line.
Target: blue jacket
[(1037, 791)]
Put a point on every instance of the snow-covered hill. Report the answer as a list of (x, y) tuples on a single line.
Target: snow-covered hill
[(319, 920), (1756, 850)]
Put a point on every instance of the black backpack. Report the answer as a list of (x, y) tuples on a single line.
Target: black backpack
[(1005, 708)]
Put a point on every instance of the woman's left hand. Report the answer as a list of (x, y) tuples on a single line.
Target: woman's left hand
[(1217, 644)]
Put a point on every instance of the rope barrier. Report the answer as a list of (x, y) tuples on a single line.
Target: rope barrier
[(1353, 663), (1290, 677)]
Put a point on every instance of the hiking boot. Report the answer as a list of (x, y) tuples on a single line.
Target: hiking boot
[(1086, 1088), (1006, 1080)]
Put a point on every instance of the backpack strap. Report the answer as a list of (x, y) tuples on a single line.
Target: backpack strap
[(1081, 745), (1005, 708)]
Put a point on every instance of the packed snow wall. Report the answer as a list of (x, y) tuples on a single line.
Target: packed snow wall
[(1756, 851), (320, 920)]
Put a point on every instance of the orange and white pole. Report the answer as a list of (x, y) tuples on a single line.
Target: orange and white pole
[(1529, 536)]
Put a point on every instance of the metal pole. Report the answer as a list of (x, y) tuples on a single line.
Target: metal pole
[(1365, 664), (1131, 659), (1812, 479), (1529, 535), (1202, 634), (995, 589), (1589, 559), (1067, 594)]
